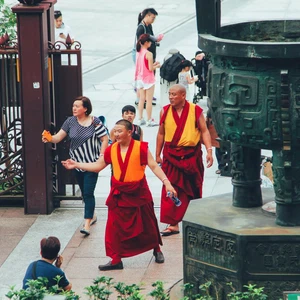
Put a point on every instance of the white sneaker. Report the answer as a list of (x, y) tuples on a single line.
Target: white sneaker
[(151, 123), (141, 122)]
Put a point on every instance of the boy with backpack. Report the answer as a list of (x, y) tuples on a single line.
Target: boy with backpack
[(171, 67), (129, 113), (169, 74)]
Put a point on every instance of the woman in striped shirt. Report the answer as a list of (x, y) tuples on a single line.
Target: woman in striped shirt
[(85, 133)]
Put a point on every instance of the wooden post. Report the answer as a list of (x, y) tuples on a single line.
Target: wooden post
[(33, 37)]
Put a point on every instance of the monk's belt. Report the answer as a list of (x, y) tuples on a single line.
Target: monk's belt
[(183, 156)]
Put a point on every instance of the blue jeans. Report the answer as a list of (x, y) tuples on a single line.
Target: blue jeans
[(87, 183)]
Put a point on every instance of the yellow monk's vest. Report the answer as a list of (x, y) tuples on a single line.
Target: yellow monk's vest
[(134, 171), (190, 136)]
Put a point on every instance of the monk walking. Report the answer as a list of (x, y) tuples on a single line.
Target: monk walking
[(131, 226), (182, 125)]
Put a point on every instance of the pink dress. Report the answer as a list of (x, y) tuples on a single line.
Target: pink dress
[(143, 76)]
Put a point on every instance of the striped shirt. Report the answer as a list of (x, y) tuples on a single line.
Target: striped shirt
[(84, 140)]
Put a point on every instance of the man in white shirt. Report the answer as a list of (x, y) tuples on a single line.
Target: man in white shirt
[(61, 29)]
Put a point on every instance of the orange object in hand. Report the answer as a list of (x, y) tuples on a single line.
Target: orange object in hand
[(47, 135)]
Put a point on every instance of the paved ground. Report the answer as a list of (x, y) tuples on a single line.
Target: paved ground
[(106, 30)]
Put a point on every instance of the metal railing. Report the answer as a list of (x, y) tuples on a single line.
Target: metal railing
[(11, 162)]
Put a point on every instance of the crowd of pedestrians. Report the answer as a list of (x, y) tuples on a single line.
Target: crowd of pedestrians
[(132, 227)]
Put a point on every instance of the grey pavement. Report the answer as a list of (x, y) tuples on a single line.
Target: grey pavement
[(106, 28), (106, 31)]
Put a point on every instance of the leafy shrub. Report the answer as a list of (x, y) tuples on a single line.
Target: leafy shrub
[(104, 287), (8, 21), (37, 289), (251, 293)]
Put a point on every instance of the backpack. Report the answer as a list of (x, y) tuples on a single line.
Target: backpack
[(170, 68), (133, 51)]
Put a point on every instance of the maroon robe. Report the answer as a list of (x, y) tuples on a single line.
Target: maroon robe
[(131, 226), (183, 167)]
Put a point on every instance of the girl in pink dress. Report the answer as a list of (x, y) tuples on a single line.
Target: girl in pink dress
[(145, 78)]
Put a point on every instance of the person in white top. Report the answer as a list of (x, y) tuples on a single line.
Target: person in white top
[(184, 76), (61, 29)]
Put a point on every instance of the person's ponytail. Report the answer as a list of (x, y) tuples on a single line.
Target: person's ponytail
[(142, 40), (138, 46), (141, 16)]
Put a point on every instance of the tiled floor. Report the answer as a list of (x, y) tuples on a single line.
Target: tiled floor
[(13, 226), (83, 255)]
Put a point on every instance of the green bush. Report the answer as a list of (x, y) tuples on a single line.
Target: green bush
[(104, 287), (251, 293), (8, 21), (37, 289)]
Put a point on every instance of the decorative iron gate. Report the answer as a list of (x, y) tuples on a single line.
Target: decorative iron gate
[(66, 84), (65, 80), (11, 162)]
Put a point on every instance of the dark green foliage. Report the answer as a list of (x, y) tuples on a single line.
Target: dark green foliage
[(8, 21), (37, 289), (104, 288), (252, 293), (159, 293)]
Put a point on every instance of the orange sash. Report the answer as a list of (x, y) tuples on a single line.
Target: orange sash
[(133, 167), (182, 131)]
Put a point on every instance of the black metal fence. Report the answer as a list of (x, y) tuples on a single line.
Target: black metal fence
[(11, 163)]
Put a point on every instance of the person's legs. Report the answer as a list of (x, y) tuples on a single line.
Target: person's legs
[(111, 243), (79, 178), (89, 183), (170, 230), (114, 264), (111, 266), (174, 227), (142, 96), (137, 96), (159, 257), (148, 95)]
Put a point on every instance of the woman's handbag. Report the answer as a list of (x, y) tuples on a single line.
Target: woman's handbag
[(133, 54)]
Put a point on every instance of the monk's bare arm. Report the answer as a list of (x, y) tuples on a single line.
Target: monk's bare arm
[(160, 139), (159, 173), (90, 167), (206, 140)]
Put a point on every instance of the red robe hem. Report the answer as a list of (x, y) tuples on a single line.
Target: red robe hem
[(184, 168), (131, 226)]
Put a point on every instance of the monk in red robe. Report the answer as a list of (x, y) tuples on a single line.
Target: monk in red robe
[(182, 126), (131, 226)]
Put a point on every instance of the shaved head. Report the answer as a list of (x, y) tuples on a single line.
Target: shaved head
[(177, 95), (178, 87), (125, 123), (122, 132)]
